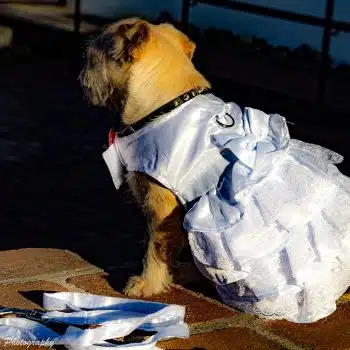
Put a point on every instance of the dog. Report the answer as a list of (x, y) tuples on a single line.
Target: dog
[(133, 68), (267, 216)]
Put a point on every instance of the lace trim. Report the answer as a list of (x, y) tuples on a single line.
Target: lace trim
[(309, 305)]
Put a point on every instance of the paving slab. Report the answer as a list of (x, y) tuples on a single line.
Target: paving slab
[(27, 295), (331, 333), (199, 309), (30, 262), (226, 339), (95, 284)]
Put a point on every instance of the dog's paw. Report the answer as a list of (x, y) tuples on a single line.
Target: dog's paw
[(139, 286), (134, 286)]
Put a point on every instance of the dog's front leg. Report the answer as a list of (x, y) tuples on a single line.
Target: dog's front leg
[(167, 238)]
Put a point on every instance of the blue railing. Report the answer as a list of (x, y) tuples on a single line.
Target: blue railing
[(329, 25)]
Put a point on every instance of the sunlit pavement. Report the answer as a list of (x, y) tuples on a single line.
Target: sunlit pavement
[(27, 273)]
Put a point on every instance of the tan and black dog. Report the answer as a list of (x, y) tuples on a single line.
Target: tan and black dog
[(133, 68)]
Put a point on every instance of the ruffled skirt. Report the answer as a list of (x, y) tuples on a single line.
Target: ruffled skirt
[(279, 247)]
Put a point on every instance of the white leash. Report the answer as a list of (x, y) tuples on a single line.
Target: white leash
[(116, 317)]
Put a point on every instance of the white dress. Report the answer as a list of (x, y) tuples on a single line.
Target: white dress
[(268, 217)]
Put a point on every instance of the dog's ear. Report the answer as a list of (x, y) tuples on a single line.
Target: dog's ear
[(189, 47), (129, 41)]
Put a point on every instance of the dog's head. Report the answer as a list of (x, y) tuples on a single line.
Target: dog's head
[(133, 58)]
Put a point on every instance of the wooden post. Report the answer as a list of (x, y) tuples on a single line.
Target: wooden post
[(77, 16), (325, 62), (186, 5), (77, 22)]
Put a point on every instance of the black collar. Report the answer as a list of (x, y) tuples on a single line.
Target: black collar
[(176, 102)]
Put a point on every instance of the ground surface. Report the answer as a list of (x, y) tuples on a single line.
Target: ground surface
[(57, 195), (27, 273)]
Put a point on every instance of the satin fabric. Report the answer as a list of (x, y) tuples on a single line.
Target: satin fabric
[(115, 317), (268, 217)]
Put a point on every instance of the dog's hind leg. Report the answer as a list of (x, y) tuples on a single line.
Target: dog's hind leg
[(166, 240)]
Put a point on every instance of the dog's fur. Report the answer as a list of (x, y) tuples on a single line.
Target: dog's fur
[(133, 68)]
